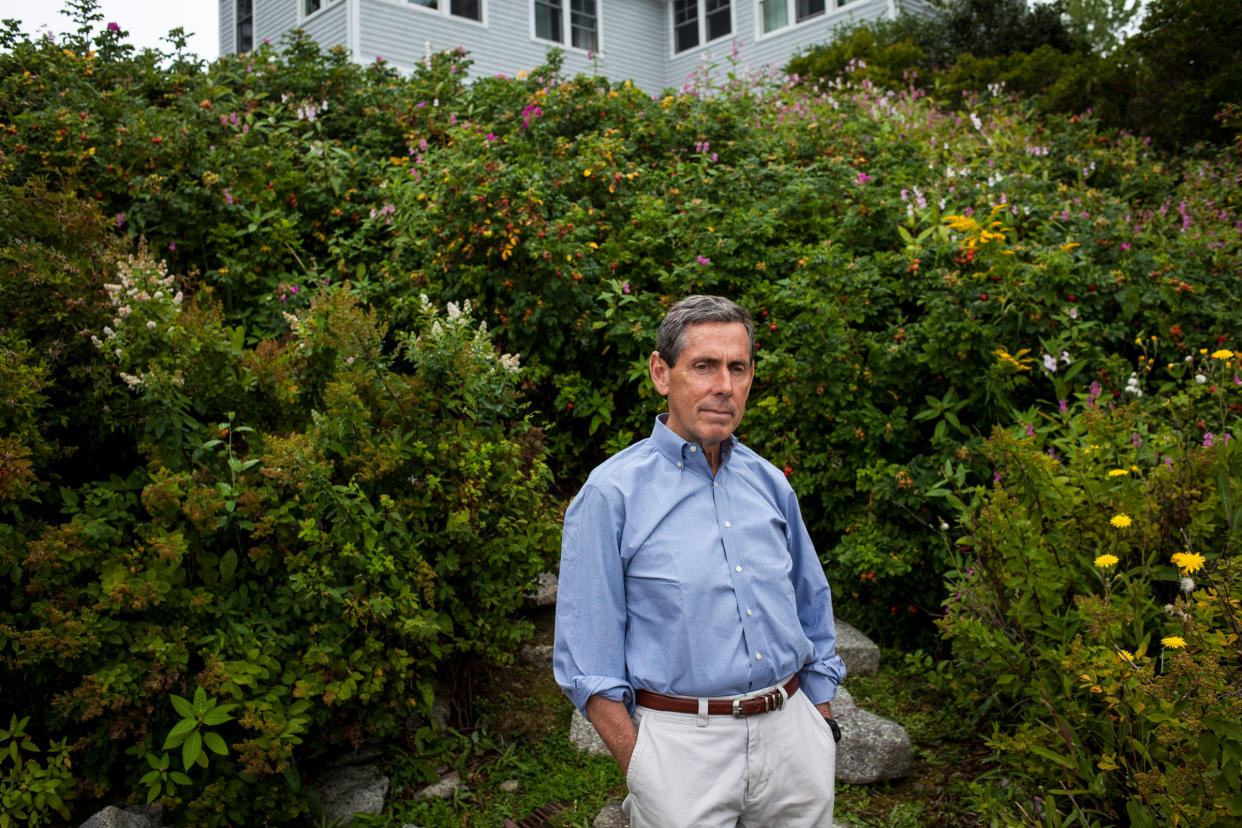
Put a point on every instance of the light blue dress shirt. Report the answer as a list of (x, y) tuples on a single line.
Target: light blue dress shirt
[(674, 581)]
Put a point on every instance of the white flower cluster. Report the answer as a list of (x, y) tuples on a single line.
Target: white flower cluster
[(144, 288), (1132, 386)]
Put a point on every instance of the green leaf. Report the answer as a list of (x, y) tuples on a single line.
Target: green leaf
[(228, 566), (218, 715), (201, 703), (178, 732), (1052, 756), (182, 706), (191, 750), (1231, 730), (215, 743), (180, 778)]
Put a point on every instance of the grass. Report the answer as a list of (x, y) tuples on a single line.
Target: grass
[(522, 737)]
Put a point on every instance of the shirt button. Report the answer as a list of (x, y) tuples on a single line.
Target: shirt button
[(748, 612), (758, 656), (728, 525), (679, 465), (694, 448), (739, 569), (715, 485)]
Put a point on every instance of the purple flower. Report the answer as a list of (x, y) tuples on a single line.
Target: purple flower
[(1062, 406), (1030, 430), (863, 178), (293, 289), (114, 27), (996, 477), (703, 260), (172, 245), (1136, 440), (491, 137), (1125, 245), (625, 287), (1209, 439), (120, 219)]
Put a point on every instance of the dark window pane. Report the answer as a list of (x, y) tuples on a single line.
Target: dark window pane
[(810, 8), (584, 24), (775, 14), (472, 9), (549, 20), (312, 6), (427, 4), (718, 20), (686, 24)]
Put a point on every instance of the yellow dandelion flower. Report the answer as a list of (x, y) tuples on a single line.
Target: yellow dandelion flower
[(1105, 561), (1068, 246), (1124, 655), (1117, 472), (1121, 521), (1173, 642), (1188, 562), (1223, 353)]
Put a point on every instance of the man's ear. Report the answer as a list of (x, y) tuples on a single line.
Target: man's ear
[(659, 370)]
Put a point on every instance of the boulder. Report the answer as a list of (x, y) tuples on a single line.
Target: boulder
[(583, 735), (611, 816), (537, 654), (135, 816), (545, 591), (860, 654), (351, 790), (446, 788), (872, 748)]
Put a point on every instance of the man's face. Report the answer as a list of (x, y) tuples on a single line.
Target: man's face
[(708, 386)]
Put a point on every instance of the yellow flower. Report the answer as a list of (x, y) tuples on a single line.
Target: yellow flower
[(1105, 561), (1068, 246), (1121, 521), (1124, 655), (1117, 472), (1223, 353), (1173, 642), (1018, 360), (1188, 562)]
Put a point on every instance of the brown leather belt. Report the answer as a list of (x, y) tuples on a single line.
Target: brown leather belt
[(749, 706)]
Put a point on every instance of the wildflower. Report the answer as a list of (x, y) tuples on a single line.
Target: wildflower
[(1073, 313), (1050, 363), (1223, 353), (114, 27), (1105, 561), (1030, 430), (1062, 406), (1200, 379), (1121, 520), (1125, 655), (625, 287), (1117, 472), (131, 380), (151, 325), (1188, 562), (1187, 584), (120, 219), (863, 178), (1209, 439), (1173, 642), (944, 526), (703, 260)]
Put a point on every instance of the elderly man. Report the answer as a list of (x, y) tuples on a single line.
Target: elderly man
[(694, 622)]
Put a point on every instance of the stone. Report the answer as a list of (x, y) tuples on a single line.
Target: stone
[(611, 816), (138, 816), (545, 591), (446, 788), (872, 748), (538, 654), (584, 737), (352, 790), (860, 654), (509, 786)]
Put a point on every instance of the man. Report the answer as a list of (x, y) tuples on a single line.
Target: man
[(694, 623)]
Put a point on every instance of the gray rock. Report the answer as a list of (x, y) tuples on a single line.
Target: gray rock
[(509, 786), (583, 735), (539, 654), (872, 748), (138, 816), (545, 591), (446, 788), (611, 816), (352, 790), (860, 654)]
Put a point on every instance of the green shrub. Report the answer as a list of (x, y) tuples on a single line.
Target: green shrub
[(1096, 593)]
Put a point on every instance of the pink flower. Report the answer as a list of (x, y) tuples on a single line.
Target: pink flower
[(1209, 439), (1062, 407), (863, 178), (172, 245), (703, 260), (120, 219), (625, 287), (114, 27)]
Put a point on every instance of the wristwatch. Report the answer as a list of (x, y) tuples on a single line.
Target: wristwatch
[(836, 728)]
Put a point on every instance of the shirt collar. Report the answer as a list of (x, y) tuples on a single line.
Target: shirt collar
[(670, 444)]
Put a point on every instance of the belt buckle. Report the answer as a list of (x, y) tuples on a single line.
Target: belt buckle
[(738, 713), (774, 700)]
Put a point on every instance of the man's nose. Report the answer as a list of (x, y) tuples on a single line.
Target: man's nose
[(723, 382)]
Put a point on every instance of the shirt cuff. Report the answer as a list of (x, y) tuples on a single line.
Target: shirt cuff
[(820, 682)]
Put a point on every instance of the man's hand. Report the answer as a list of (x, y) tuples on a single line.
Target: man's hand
[(612, 722)]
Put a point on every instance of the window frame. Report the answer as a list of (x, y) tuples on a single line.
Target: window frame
[(566, 9), (791, 16), (443, 9), (701, 13), (323, 6), (238, 21)]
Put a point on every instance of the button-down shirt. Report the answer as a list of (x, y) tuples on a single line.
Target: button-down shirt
[(679, 582)]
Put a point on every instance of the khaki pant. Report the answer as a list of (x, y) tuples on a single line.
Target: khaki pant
[(772, 770)]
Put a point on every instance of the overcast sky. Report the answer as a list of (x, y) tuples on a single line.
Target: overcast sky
[(146, 20)]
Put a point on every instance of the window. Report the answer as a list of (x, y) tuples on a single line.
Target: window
[(776, 14), (469, 9), (579, 17), (714, 16), (245, 26)]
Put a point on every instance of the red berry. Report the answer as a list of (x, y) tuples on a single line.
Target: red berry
[(772, 326), (983, 297)]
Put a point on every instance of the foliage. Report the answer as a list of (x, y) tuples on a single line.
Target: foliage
[(1097, 586), (1099, 22)]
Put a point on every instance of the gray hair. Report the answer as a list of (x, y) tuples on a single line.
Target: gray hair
[(695, 310)]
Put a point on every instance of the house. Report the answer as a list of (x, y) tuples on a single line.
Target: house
[(654, 43)]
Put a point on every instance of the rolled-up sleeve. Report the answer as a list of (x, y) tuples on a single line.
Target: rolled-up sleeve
[(820, 676), (589, 649)]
